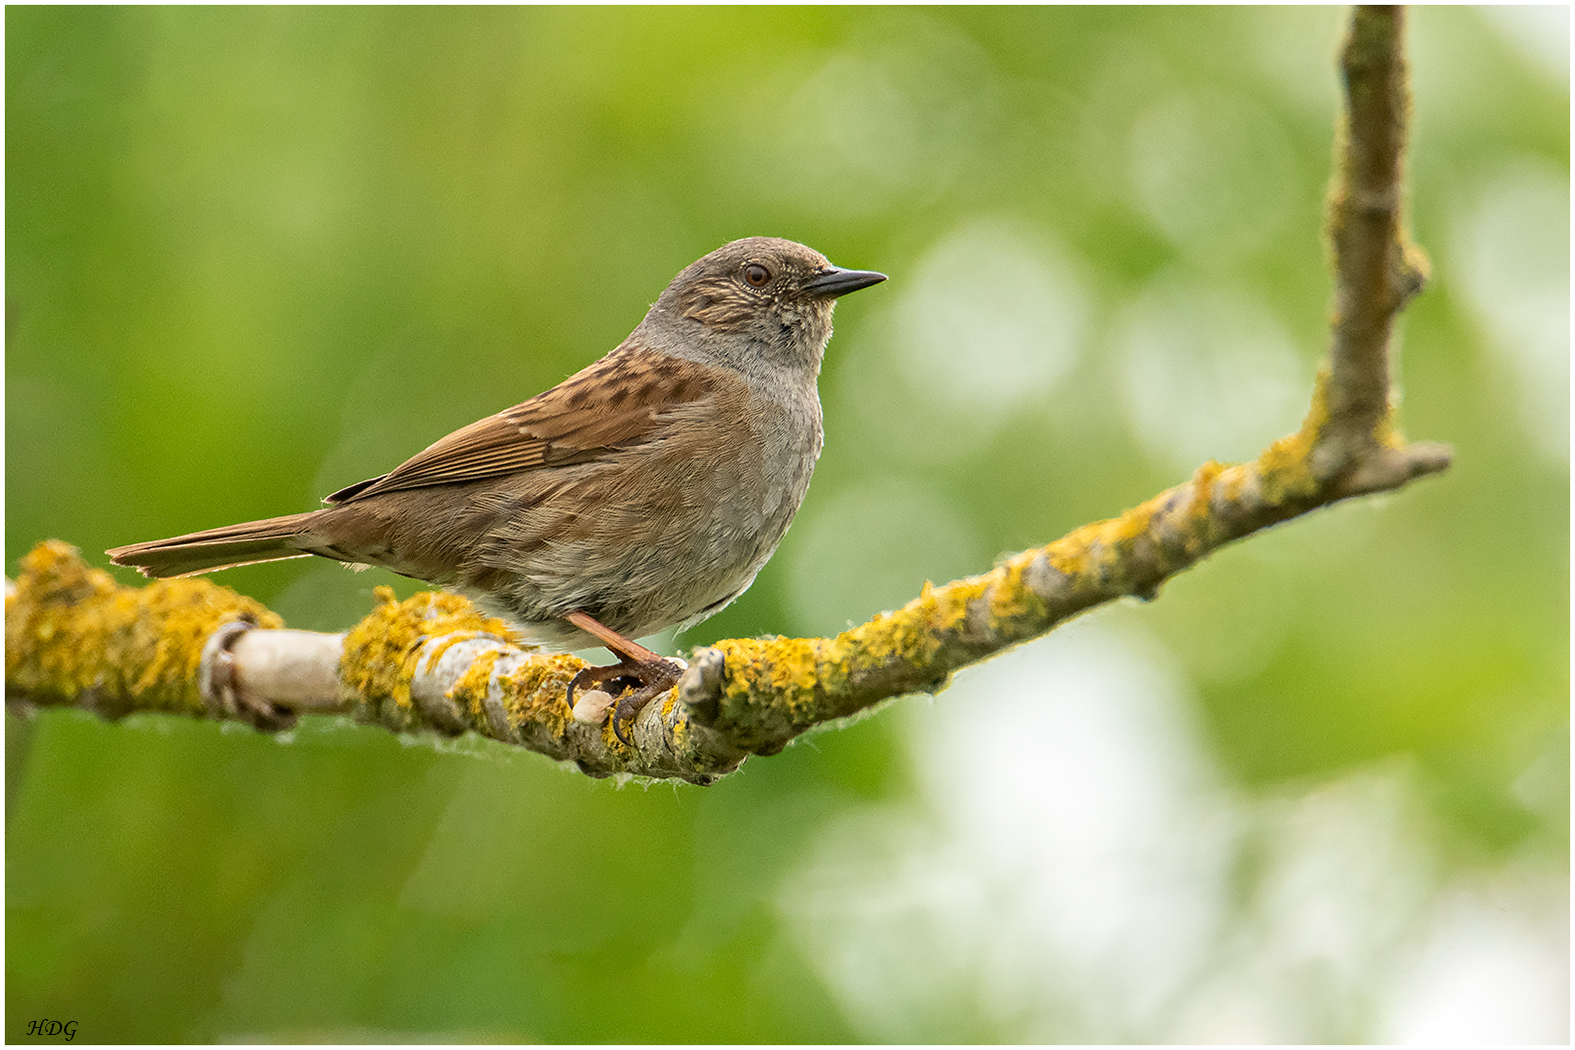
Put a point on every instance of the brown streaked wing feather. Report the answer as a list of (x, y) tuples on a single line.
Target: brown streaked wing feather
[(614, 403)]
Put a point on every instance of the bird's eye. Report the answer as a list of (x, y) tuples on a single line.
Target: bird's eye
[(756, 275)]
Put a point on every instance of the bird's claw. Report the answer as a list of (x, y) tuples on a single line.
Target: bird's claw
[(648, 678)]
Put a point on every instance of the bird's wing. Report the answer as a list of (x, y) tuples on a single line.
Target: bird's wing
[(623, 399)]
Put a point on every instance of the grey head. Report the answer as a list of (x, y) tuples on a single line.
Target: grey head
[(759, 300)]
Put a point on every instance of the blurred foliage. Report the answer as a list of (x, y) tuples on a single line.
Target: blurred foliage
[(255, 254)]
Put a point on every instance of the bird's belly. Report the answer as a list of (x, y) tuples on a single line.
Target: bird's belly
[(652, 556)]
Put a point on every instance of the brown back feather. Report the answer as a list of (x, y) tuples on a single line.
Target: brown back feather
[(615, 403)]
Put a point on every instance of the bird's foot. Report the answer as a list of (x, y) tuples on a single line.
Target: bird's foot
[(648, 679), (649, 674)]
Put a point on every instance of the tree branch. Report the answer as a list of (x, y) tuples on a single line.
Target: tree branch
[(74, 637)]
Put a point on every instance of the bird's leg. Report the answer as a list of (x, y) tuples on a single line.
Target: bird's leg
[(651, 673)]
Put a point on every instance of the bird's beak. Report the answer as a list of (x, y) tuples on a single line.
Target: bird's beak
[(836, 281)]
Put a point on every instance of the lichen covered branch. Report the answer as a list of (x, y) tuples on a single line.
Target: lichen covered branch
[(761, 694), (74, 637), (1377, 269), (434, 663)]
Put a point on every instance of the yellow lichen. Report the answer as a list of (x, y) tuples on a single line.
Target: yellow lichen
[(1011, 600), (1285, 467), (380, 651), (678, 728), (470, 690), (1131, 525), (537, 692), (1092, 548), (948, 605), (1386, 434), (1071, 555), (792, 666), (70, 629)]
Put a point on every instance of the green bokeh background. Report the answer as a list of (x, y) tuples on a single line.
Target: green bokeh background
[(253, 255)]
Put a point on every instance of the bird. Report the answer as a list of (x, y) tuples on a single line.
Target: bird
[(644, 492)]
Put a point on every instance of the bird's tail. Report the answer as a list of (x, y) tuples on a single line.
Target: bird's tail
[(269, 540)]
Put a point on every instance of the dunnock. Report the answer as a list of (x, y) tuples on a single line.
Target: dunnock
[(644, 492)]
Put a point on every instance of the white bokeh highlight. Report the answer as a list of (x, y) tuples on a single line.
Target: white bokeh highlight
[(1065, 877), (1214, 172), (1540, 32), (861, 551), (1510, 259), (1207, 373), (1075, 869), (980, 332), (880, 124), (1492, 967)]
